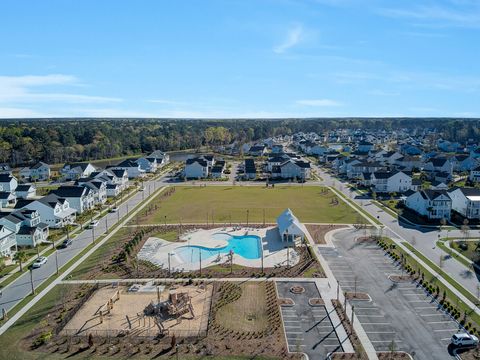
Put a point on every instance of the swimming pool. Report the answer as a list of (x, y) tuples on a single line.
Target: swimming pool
[(246, 246)]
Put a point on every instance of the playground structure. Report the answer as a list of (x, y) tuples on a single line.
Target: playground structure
[(111, 311)]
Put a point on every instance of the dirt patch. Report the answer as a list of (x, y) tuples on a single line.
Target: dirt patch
[(393, 355), (318, 231), (381, 356), (357, 296)]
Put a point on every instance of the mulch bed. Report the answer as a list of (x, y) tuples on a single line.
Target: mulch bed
[(316, 302), (286, 302), (400, 278), (318, 231), (357, 296)]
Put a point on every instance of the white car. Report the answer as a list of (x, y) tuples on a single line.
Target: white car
[(93, 224), (464, 339), (39, 262), (114, 209)]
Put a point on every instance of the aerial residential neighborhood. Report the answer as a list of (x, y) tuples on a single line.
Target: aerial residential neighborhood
[(240, 180)]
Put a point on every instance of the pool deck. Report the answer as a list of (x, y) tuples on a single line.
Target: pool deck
[(156, 250)]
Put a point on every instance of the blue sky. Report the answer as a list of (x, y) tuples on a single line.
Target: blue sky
[(245, 58)]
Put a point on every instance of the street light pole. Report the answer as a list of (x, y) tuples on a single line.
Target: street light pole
[(247, 216), (31, 281), (200, 256), (106, 224), (93, 234), (56, 260), (169, 268)]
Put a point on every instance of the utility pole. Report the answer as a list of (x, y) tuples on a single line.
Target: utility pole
[(93, 234), (169, 268), (200, 257), (263, 217), (247, 216), (106, 223)]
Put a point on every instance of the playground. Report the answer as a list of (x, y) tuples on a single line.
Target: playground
[(144, 310)]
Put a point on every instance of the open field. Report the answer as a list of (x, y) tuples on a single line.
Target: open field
[(230, 204)]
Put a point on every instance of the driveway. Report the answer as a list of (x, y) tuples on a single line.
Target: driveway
[(308, 329), (400, 315)]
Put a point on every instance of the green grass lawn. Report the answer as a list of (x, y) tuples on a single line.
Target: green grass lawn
[(193, 204), (470, 250)]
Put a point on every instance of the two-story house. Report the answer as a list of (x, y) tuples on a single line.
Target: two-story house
[(433, 204), (26, 225), (76, 170), (391, 181), (54, 210), (38, 172), (466, 202)]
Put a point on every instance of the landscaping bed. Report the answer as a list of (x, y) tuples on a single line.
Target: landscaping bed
[(318, 231), (357, 296)]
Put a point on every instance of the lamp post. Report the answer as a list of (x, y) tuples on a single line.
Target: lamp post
[(56, 260), (93, 234), (165, 219), (106, 223), (247, 216), (31, 281), (169, 268), (200, 258)]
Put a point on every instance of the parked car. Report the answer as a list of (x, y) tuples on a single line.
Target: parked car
[(464, 339), (39, 262), (66, 243), (114, 209), (93, 224)]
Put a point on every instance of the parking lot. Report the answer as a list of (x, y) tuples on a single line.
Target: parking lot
[(308, 328), (400, 316)]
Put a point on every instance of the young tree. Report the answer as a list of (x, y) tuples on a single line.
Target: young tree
[(21, 257)]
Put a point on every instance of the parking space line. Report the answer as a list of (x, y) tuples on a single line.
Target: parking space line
[(439, 322), (361, 315), (376, 323), (380, 332), (450, 330), (385, 341)]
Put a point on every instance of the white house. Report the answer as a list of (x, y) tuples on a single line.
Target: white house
[(40, 171), (26, 191), (162, 157), (26, 225), (196, 168), (391, 182), (7, 199), (290, 228), (132, 168), (8, 183), (474, 174), (439, 165), (293, 169), (79, 198), (118, 177), (466, 202), (8, 243), (464, 162), (54, 211), (147, 164), (434, 204), (77, 170)]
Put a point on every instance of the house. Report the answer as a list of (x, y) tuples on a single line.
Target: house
[(290, 228), (408, 162), (466, 202), (275, 161), (8, 183), (439, 165), (147, 164), (38, 172), (319, 150), (250, 169), (464, 162), (365, 146), (79, 198), (196, 168), (7, 199), (433, 204), (408, 149), (438, 185), (355, 169), (391, 181), (365, 179), (54, 210), (8, 243), (26, 225), (416, 184), (277, 148), (113, 190), (26, 191), (217, 170), (293, 169), (257, 150), (474, 174), (98, 189), (132, 168), (76, 170), (161, 157)]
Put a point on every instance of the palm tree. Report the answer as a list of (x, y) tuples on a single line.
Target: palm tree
[(21, 257)]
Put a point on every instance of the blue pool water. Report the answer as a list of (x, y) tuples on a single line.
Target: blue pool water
[(246, 246)]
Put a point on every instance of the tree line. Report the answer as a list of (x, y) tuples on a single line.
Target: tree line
[(26, 141)]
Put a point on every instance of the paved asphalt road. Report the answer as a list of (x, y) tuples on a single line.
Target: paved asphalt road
[(21, 287), (398, 312), (425, 238)]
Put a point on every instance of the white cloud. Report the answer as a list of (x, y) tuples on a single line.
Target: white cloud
[(294, 36), (318, 102), (9, 112), (20, 89)]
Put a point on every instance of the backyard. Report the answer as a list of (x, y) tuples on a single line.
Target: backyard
[(234, 204)]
